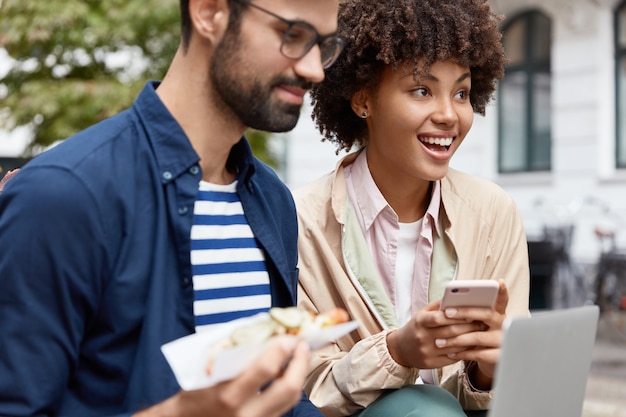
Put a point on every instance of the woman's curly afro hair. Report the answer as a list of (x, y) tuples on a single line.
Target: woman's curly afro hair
[(396, 32)]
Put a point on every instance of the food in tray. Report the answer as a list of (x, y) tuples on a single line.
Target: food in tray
[(281, 321)]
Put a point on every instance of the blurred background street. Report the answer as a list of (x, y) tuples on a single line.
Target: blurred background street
[(606, 386)]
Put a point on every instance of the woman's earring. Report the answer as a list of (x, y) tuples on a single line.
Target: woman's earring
[(364, 115)]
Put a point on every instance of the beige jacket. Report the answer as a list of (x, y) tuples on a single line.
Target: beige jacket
[(484, 239)]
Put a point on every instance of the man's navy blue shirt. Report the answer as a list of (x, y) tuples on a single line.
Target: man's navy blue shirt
[(95, 271)]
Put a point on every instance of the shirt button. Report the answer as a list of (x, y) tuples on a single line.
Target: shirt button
[(194, 170), (186, 281), (183, 210), (167, 175)]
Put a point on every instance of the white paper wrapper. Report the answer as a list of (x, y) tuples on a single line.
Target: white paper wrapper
[(189, 355)]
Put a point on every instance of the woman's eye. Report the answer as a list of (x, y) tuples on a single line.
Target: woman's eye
[(420, 91), (462, 95)]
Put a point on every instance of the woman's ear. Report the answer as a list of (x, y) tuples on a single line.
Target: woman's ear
[(360, 104), (209, 17)]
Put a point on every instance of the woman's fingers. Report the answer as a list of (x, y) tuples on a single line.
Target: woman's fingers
[(503, 298)]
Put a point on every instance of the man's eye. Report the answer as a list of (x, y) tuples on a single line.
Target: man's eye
[(295, 35)]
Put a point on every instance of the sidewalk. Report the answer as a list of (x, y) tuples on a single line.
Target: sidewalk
[(606, 385)]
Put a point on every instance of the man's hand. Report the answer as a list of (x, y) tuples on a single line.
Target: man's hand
[(269, 388)]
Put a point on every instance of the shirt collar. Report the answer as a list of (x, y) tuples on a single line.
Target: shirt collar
[(172, 148), (370, 201), (434, 206)]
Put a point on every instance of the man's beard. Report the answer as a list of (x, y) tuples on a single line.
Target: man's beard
[(248, 98)]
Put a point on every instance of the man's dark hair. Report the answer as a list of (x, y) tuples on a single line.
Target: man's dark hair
[(398, 32), (234, 19)]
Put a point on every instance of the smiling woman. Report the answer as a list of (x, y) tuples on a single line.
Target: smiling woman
[(383, 234)]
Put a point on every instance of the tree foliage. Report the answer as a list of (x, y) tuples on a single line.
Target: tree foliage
[(75, 63)]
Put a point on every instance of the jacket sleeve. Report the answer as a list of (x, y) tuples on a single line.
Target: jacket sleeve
[(340, 385), (44, 299), (506, 258)]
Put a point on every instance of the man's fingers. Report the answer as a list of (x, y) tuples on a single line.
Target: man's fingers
[(267, 366), (286, 390), (298, 368), (269, 387)]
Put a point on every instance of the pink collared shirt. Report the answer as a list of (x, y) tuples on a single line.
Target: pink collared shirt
[(381, 227)]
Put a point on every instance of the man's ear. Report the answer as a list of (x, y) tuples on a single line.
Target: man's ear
[(209, 17), (360, 103)]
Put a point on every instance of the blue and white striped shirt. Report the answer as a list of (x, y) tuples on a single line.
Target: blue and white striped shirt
[(230, 276)]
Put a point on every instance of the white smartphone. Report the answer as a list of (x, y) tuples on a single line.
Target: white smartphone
[(470, 293)]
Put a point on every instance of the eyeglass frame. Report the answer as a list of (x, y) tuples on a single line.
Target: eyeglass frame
[(317, 40)]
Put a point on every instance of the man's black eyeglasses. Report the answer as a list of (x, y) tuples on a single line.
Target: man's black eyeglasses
[(300, 37)]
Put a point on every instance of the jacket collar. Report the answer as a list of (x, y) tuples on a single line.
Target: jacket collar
[(339, 194), (240, 161)]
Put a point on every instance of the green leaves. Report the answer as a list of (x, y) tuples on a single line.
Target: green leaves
[(78, 62)]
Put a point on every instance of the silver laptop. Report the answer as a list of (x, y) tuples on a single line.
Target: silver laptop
[(544, 363)]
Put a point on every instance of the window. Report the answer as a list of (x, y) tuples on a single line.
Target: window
[(620, 70), (524, 126)]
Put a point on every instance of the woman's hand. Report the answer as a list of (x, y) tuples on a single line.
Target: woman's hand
[(434, 338), (482, 346), (421, 343)]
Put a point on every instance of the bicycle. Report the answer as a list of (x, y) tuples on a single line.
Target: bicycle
[(610, 278), (567, 283), (569, 286)]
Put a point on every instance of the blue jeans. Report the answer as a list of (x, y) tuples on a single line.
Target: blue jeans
[(417, 401)]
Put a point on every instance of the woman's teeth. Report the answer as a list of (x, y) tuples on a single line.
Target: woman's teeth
[(437, 141)]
